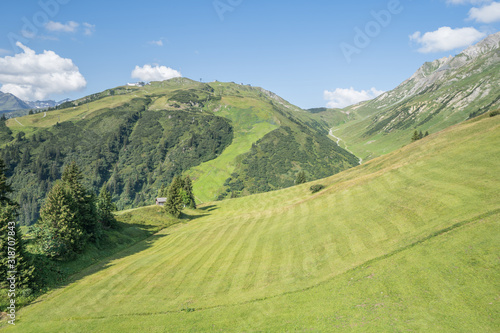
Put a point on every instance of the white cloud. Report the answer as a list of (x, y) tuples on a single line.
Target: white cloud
[(340, 98), (28, 34), (70, 26), (157, 42), (32, 76), (4, 51), (154, 73), (466, 2), (486, 14), (446, 39), (88, 29)]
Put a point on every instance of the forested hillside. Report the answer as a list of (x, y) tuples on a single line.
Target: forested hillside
[(136, 139)]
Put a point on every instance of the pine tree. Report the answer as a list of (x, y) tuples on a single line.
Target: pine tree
[(162, 191), (174, 203), (58, 232), (12, 251), (5, 188), (105, 208), (415, 136), (301, 178), (12, 254), (420, 135), (189, 200), (84, 201), (426, 133)]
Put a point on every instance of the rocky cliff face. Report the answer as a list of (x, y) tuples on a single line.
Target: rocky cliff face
[(448, 87)]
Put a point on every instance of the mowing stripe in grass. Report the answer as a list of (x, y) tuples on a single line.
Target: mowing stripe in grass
[(424, 278)]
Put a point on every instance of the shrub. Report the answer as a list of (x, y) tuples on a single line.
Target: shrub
[(495, 113), (316, 188)]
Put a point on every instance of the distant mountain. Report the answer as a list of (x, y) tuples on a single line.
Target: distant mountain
[(46, 104), (9, 102), (13, 106), (440, 94)]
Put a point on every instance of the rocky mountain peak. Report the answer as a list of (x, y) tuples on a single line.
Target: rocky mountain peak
[(490, 43)]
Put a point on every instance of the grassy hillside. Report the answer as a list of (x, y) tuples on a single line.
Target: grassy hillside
[(440, 94), (408, 241), (135, 139), (131, 150), (132, 227), (259, 117)]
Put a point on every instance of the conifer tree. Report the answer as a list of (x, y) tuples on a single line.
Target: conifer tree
[(58, 232), (105, 208), (174, 203), (12, 254), (84, 202), (189, 200), (162, 191), (5, 188), (12, 251), (415, 136), (420, 135), (301, 178), (426, 133)]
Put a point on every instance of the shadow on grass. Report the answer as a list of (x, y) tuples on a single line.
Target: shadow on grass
[(129, 236), (107, 262), (60, 279), (209, 208), (187, 217), (59, 274)]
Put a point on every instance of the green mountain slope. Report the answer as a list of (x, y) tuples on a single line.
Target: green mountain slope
[(407, 241), (440, 94), (136, 138)]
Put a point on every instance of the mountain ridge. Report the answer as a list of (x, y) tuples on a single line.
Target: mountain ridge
[(439, 94), (13, 106), (135, 139), (9, 102)]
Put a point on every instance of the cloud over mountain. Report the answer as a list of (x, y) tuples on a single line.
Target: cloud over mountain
[(486, 14), (340, 98), (446, 39), (32, 76), (154, 73)]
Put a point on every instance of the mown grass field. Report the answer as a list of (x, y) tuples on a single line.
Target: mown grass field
[(405, 242), (132, 227)]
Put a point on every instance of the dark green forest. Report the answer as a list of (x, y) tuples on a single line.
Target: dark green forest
[(129, 150), (275, 160), (134, 152)]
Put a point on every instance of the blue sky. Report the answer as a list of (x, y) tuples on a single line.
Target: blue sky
[(312, 53)]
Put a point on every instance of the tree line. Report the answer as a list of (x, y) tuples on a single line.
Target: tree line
[(71, 217), (132, 157), (418, 135)]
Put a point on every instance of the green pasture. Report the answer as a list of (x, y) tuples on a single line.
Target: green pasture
[(405, 242)]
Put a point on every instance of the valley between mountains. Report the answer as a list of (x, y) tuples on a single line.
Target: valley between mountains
[(323, 220)]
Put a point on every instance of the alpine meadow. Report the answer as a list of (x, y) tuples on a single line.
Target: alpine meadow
[(176, 204)]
